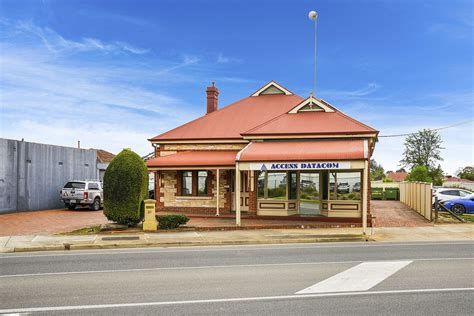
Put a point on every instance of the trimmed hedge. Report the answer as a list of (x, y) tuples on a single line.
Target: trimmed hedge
[(171, 221), (125, 188)]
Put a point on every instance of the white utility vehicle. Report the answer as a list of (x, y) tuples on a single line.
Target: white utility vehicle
[(82, 193)]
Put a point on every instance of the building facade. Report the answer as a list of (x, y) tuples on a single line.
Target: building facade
[(273, 153)]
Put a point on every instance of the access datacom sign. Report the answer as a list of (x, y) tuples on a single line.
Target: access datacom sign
[(271, 166)]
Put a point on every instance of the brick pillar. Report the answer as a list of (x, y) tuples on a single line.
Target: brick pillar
[(158, 190)]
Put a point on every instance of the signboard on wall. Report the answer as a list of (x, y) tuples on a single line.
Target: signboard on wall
[(275, 166)]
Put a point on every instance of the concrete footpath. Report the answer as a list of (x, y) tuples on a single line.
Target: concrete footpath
[(445, 232)]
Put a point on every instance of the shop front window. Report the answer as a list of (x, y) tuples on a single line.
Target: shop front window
[(344, 185), (276, 185), (293, 182), (261, 185)]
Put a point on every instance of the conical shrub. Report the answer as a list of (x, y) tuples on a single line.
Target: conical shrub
[(125, 188)]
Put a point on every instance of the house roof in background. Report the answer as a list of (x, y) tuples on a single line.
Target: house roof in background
[(398, 176), (104, 156), (456, 179)]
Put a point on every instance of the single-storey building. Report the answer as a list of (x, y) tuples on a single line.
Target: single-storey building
[(272, 153)]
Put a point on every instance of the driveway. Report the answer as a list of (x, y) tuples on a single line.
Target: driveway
[(49, 221), (396, 214)]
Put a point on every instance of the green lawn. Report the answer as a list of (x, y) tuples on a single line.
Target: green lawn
[(468, 217)]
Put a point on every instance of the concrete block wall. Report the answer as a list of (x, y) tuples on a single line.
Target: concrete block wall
[(31, 174)]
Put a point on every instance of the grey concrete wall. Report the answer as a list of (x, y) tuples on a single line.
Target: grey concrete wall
[(31, 174)]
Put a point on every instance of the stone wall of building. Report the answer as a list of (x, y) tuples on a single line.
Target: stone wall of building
[(169, 200)]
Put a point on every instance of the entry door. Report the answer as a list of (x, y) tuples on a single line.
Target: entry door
[(310, 198), (244, 190)]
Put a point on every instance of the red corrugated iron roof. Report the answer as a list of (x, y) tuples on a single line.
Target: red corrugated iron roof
[(304, 150), (229, 122), (311, 123), (264, 115), (201, 158)]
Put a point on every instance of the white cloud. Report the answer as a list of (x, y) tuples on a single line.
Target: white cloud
[(349, 94), (51, 96), (56, 43), (221, 59)]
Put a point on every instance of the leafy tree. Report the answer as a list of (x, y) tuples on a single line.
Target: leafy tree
[(436, 175), (422, 149), (376, 171), (419, 173), (466, 173), (125, 188)]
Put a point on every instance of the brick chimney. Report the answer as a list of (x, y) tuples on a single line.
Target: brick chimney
[(212, 94)]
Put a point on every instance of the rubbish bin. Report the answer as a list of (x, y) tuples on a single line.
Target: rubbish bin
[(391, 193), (376, 193)]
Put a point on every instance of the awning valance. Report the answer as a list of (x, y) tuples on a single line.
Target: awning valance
[(201, 158), (305, 150)]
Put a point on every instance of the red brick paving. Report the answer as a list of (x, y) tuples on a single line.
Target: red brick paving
[(396, 214), (49, 221)]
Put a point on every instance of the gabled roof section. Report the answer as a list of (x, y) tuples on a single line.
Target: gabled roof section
[(272, 88), (231, 121), (312, 104), (295, 122)]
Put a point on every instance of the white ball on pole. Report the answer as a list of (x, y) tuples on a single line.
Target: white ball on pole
[(312, 15)]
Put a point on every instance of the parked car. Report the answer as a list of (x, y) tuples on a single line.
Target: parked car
[(356, 187), (343, 187), (446, 194), (84, 193), (462, 205), (307, 184)]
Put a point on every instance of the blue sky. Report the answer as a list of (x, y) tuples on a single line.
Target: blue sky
[(114, 73)]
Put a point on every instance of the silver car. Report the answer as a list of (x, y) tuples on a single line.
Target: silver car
[(82, 193)]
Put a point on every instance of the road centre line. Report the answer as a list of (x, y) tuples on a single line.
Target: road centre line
[(226, 300), (227, 248), (216, 267)]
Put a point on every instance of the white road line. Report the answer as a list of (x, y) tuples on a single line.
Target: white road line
[(362, 277), (211, 267), (226, 248), (225, 300)]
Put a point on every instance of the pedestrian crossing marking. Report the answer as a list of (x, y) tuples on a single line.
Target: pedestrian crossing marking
[(361, 277)]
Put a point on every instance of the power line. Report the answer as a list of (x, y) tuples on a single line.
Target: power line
[(433, 129)]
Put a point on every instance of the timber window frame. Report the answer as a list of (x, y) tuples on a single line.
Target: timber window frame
[(194, 183)]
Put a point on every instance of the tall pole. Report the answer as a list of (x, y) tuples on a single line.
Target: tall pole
[(313, 16)]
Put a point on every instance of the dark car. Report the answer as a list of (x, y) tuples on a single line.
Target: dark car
[(356, 187)]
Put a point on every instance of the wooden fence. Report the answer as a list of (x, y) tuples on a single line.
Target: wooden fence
[(418, 196)]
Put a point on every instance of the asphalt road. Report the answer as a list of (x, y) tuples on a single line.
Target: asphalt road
[(290, 279)]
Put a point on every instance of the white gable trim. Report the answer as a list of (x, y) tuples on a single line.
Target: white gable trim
[(270, 85), (313, 100)]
